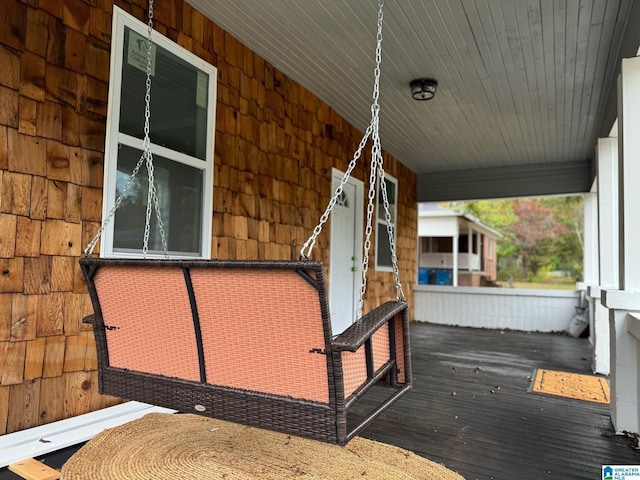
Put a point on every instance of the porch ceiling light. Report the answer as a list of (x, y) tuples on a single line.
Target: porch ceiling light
[(423, 88)]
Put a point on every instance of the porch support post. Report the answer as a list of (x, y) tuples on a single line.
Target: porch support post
[(625, 347), (469, 249), (598, 332), (608, 225), (590, 274), (607, 248), (629, 174), (480, 249), (454, 280)]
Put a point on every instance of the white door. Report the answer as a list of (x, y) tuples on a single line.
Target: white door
[(345, 254)]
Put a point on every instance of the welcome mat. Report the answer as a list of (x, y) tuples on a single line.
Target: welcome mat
[(162, 446), (589, 388)]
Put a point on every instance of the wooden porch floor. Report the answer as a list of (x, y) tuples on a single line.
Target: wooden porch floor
[(471, 410)]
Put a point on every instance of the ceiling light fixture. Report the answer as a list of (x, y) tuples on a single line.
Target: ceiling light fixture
[(423, 88)]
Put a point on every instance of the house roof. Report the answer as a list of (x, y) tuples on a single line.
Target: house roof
[(433, 210), (525, 89)]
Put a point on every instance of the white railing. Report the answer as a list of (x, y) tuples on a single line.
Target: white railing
[(498, 308)]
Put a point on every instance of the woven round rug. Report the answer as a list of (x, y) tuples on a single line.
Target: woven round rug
[(184, 446)]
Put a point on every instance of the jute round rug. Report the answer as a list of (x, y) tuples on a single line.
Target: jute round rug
[(184, 446)]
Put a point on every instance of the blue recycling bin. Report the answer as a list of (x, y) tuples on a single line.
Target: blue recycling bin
[(443, 277), (424, 275)]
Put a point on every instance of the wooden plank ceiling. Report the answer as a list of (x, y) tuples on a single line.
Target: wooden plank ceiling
[(522, 85)]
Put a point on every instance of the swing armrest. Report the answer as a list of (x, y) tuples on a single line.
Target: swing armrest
[(358, 333)]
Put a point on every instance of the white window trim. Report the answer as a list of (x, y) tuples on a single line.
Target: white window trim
[(113, 137), (382, 221)]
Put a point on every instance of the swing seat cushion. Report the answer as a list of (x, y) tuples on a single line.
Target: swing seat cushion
[(249, 342)]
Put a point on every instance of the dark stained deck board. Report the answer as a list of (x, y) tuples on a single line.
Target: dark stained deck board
[(510, 433)]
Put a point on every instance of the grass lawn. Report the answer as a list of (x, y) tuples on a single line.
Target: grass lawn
[(542, 286)]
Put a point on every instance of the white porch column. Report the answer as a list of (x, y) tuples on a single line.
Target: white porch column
[(454, 280), (591, 269), (469, 248), (625, 348), (481, 252), (629, 174), (607, 191), (608, 225), (598, 331)]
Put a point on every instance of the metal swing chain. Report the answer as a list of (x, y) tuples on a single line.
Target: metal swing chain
[(376, 170), (305, 252), (152, 197), (147, 159), (377, 175)]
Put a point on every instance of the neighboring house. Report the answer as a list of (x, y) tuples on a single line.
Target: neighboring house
[(245, 160), (455, 248)]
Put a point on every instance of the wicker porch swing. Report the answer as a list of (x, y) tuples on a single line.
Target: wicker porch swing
[(248, 341)]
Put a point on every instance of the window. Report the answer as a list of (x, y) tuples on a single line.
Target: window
[(426, 245), (383, 249), (463, 243), (183, 94)]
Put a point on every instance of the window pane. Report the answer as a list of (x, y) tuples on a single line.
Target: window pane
[(178, 98), (463, 243), (383, 249), (180, 192)]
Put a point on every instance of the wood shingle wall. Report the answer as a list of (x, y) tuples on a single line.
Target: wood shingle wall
[(275, 146)]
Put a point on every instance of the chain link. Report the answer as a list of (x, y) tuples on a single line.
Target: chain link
[(375, 175), (147, 159), (152, 198), (375, 151)]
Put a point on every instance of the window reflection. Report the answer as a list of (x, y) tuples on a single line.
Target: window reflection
[(180, 192)]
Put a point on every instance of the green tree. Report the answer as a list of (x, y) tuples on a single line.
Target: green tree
[(540, 234)]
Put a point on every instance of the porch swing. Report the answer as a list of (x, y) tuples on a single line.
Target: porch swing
[(249, 341)]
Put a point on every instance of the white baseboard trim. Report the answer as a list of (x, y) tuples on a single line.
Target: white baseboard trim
[(38, 441)]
